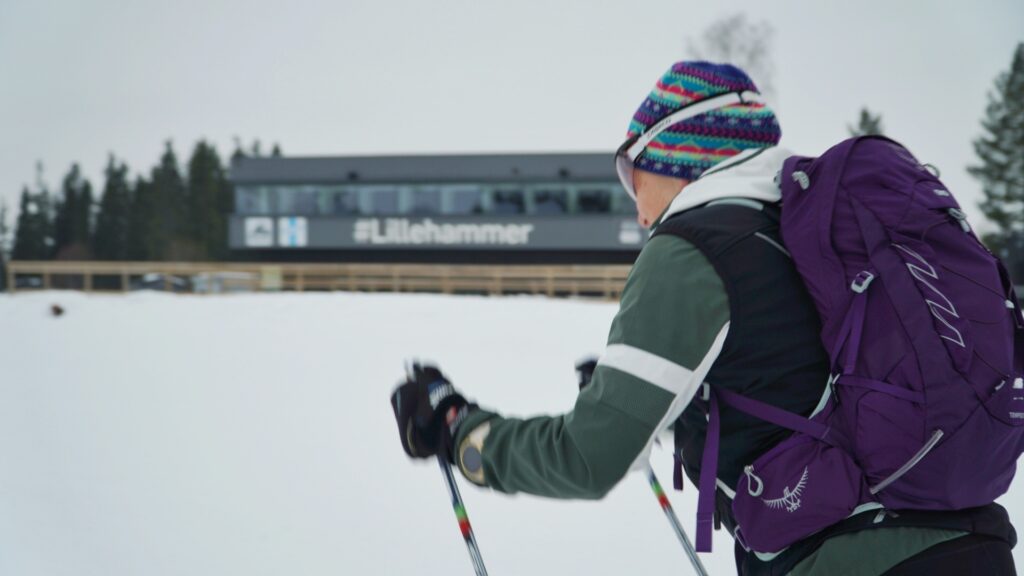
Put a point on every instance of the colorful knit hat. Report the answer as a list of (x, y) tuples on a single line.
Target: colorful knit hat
[(688, 148)]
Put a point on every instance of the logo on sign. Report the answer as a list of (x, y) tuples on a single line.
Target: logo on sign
[(402, 231), (259, 232), (292, 232)]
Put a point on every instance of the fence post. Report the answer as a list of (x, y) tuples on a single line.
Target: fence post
[(46, 278), (10, 278), (88, 281), (496, 286)]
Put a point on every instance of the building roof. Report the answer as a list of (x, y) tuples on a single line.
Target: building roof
[(424, 168)]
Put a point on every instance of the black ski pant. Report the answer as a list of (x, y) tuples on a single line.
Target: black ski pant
[(971, 555)]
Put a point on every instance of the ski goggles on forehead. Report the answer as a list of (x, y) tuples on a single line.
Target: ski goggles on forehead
[(626, 155)]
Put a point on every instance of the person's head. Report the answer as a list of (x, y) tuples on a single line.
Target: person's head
[(697, 115)]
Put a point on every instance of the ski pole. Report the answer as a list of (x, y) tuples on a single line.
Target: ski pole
[(674, 521), (460, 515)]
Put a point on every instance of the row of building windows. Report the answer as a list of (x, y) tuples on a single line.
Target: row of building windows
[(461, 199)]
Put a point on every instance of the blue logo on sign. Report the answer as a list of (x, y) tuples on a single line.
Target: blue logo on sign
[(293, 232)]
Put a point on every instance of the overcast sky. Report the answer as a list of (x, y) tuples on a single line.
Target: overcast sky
[(81, 79)]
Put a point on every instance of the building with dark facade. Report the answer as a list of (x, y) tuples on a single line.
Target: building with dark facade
[(487, 208)]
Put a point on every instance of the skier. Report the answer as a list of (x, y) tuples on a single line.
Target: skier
[(699, 306)]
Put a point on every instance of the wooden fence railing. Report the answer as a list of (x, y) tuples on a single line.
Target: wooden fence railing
[(218, 277)]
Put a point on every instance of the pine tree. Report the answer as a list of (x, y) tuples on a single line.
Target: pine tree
[(33, 235), (168, 236), (1000, 150), (111, 240), (207, 188), (276, 151), (26, 237), (4, 232), (239, 152), (867, 125), (142, 243), (73, 219)]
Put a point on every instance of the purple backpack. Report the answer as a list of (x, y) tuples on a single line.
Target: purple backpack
[(925, 405)]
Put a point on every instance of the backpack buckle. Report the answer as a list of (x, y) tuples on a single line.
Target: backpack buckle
[(862, 281), (705, 392)]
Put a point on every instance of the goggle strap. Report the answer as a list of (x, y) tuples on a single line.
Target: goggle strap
[(689, 111)]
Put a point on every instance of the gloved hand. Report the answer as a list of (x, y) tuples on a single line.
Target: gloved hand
[(428, 410), (585, 370)]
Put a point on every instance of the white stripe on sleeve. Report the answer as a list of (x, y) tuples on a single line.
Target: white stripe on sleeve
[(647, 366), (664, 374)]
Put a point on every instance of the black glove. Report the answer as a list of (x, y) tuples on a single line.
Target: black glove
[(428, 411), (585, 370)]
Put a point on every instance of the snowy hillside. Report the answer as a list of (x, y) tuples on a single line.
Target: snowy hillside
[(251, 435)]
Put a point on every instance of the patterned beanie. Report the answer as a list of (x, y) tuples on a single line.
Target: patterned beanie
[(688, 148)]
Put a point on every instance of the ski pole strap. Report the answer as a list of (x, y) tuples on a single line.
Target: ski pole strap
[(708, 473), (769, 413)]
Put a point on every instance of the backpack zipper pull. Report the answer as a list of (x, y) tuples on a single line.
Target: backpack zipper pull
[(751, 478)]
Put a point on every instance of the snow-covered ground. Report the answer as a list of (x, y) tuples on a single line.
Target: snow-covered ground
[(251, 435)]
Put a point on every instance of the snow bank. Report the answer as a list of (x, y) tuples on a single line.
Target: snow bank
[(158, 434)]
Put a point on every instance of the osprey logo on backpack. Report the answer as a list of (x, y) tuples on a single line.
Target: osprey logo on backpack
[(919, 273), (790, 498)]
